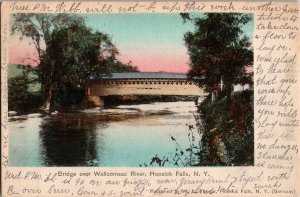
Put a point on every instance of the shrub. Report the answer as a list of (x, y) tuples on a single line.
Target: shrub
[(20, 99), (233, 121)]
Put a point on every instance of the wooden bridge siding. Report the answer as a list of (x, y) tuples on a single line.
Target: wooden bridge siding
[(175, 88)]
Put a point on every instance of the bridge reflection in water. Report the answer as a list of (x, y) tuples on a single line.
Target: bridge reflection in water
[(141, 83)]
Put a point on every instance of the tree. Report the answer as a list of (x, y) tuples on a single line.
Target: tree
[(218, 50), (76, 54), (72, 52), (39, 28), (21, 99), (117, 66)]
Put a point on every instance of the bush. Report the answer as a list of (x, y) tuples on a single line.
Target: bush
[(20, 99), (233, 123)]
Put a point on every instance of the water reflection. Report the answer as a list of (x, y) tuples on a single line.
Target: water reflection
[(127, 135), (69, 142)]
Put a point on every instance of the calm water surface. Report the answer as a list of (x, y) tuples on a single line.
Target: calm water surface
[(128, 135)]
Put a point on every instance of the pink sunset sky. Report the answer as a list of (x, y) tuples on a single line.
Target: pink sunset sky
[(24, 52), (152, 42)]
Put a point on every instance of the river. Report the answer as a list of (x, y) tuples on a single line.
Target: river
[(126, 135)]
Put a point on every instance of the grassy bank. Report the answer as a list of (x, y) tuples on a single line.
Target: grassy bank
[(229, 134)]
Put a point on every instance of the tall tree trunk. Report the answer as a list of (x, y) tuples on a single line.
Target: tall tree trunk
[(47, 85), (48, 90), (47, 100)]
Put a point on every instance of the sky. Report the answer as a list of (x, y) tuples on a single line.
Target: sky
[(152, 42)]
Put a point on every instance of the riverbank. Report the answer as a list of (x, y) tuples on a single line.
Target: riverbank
[(228, 139)]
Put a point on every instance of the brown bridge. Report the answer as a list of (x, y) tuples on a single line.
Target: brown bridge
[(143, 83)]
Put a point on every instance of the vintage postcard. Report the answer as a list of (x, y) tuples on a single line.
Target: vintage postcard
[(150, 98)]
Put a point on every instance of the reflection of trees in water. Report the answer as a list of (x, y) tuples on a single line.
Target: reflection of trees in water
[(69, 142)]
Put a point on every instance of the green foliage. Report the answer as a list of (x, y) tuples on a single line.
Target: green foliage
[(204, 158), (117, 66), (76, 54), (68, 95), (69, 54), (20, 98), (240, 147), (13, 70), (233, 123), (38, 27), (218, 49), (215, 113)]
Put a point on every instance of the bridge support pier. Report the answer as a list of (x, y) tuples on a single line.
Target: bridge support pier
[(92, 101)]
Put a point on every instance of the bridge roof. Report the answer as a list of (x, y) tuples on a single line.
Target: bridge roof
[(146, 75)]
